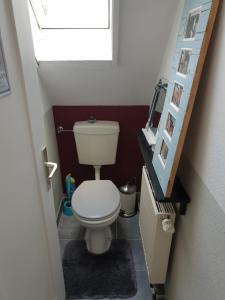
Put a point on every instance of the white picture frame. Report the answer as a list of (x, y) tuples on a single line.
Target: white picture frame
[(192, 24), (176, 98), (184, 60), (170, 125), (163, 154)]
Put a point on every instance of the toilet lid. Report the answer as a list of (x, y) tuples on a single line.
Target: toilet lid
[(96, 199)]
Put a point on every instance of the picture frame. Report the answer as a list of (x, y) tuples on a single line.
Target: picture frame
[(170, 125), (186, 67), (163, 154), (184, 61), (192, 23), (4, 79), (177, 94)]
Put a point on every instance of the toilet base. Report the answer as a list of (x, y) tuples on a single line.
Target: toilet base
[(98, 240)]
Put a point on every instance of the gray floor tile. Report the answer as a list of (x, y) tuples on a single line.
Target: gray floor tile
[(69, 228), (65, 219), (138, 255), (128, 228)]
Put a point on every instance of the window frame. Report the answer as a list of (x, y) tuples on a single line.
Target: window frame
[(90, 62), (32, 4)]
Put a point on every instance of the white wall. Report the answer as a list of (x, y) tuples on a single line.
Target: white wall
[(25, 271), (198, 261), (144, 26)]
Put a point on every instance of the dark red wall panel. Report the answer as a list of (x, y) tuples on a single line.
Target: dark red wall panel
[(129, 160)]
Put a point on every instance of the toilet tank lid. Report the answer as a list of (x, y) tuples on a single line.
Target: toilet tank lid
[(98, 127)]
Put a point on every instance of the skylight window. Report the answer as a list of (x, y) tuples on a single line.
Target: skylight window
[(74, 30), (74, 14)]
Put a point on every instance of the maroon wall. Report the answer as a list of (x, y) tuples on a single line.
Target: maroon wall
[(129, 160)]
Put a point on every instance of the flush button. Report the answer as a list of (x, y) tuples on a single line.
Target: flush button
[(92, 120)]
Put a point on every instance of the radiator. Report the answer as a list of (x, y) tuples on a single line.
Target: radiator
[(157, 226)]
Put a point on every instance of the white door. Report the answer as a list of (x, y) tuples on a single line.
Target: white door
[(36, 119)]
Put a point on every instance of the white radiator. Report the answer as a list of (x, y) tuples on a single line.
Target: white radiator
[(156, 226)]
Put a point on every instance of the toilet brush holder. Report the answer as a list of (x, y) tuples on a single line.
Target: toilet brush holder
[(67, 209)]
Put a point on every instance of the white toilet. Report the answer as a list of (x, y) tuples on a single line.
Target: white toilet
[(96, 203)]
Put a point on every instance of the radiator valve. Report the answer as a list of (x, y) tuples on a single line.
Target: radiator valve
[(168, 226)]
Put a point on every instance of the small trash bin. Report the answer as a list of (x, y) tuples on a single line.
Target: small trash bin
[(128, 200)]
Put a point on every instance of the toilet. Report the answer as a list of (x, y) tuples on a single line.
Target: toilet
[(96, 203)]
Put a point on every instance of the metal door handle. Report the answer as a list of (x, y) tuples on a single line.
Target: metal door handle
[(54, 168)]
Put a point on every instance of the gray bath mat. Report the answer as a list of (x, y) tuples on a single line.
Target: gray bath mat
[(110, 275)]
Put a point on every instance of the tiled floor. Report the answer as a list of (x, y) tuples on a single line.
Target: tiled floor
[(126, 228)]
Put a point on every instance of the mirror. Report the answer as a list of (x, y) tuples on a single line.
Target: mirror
[(174, 112), (155, 111)]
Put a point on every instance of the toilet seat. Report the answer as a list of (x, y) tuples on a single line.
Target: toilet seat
[(96, 200)]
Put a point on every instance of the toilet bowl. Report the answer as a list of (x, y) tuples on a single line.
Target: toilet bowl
[(96, 205)]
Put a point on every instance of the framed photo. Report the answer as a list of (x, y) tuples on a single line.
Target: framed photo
[(177, 93), (4, 81), (163, 153), (184, 61), (192, 23), (170, 124)]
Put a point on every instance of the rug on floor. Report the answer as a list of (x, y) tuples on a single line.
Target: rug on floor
[(110, 275)]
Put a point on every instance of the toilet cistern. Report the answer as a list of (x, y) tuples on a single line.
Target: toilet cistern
[(96, 143)]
